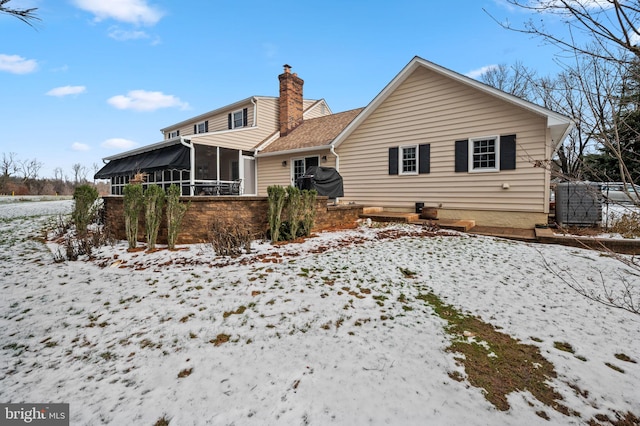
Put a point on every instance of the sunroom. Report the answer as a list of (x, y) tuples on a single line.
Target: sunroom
[(198, 169)]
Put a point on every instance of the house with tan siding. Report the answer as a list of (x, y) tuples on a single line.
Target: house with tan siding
[(431, 136)]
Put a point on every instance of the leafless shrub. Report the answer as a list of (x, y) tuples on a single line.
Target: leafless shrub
[(229, 239), (620, 292), (627, 225), (75, 246)]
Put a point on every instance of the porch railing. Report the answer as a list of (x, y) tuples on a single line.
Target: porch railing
[(217, 187)]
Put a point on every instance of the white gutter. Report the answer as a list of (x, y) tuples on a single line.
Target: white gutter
[(296, 151)]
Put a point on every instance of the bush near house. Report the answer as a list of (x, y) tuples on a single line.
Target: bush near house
[(133, 203), (84, 208), (154, 198), (175, 214), (291, 212)]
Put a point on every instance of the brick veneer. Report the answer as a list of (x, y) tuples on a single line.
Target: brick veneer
[(252, 211)]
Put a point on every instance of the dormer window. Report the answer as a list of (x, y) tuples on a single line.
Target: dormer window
[(238, 119), (202, 127), (173, 134)]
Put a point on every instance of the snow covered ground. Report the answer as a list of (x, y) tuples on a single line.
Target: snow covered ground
[(328, 331)]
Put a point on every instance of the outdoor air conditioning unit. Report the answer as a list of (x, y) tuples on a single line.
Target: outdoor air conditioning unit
[(578, 203)]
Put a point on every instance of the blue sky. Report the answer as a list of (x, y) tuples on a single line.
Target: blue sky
[(99, 77)]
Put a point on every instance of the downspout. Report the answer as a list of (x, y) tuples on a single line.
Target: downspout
[(192, 163), (335, 154), (255, 111)]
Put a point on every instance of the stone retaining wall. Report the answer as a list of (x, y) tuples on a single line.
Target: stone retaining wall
[(250, 211)]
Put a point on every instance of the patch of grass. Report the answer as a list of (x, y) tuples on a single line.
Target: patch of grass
[(185, 373), (624, 419), (107, 356), (220, 339), (238, 311), (564, 346), (162, 421), (614, 367), (625, 358), (408, 273), (501, 364)]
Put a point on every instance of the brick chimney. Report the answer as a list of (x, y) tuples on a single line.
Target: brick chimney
[(290, 100)]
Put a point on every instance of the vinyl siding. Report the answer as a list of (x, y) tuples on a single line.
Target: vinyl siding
[(430, 108), (319, 110), (244, 138), (271, 172)]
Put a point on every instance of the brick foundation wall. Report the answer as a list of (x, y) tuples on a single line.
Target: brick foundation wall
[(251, 211)]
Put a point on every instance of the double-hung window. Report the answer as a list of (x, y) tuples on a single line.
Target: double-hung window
[(237, 119), (408, 160), (173, 134), (202, 127), (484, 154)]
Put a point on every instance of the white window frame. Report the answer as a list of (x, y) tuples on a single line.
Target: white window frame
[(293, 166), (496, 153), (233, 119), (173, 134), (200, 127), (401, 163)]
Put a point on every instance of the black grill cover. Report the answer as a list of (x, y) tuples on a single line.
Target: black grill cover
[(326, 180), (170, 157)]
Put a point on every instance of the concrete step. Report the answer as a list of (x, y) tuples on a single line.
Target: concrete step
[(391, 217), (462, 225)]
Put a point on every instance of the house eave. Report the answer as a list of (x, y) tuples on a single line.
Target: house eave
[(203, 116), (173, 141), (293, 151)]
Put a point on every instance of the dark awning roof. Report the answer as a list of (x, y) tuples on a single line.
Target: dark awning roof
[(170, 157)]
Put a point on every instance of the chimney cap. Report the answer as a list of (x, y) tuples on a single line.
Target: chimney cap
[(287, 68)]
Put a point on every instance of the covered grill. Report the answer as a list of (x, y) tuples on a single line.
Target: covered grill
[(325, 180)]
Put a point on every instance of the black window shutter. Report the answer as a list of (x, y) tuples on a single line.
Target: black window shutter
[(229, 120), (462, 156), (206, 126), (245, 113), (195, 129), (178, 133), (508, 152), (393, 160), (424, 158)]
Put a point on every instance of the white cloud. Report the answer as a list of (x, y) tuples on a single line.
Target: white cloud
[(118, 143), (17, 64), (131, 11), (66, 90), (123, 35), (77, 146), (478, 72), (141, 100)]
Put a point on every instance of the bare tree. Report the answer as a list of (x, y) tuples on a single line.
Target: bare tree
[(30, 169), (9, 165), (516, 79), (79, 173), (58, 174), (25, 15), (609, 25)]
